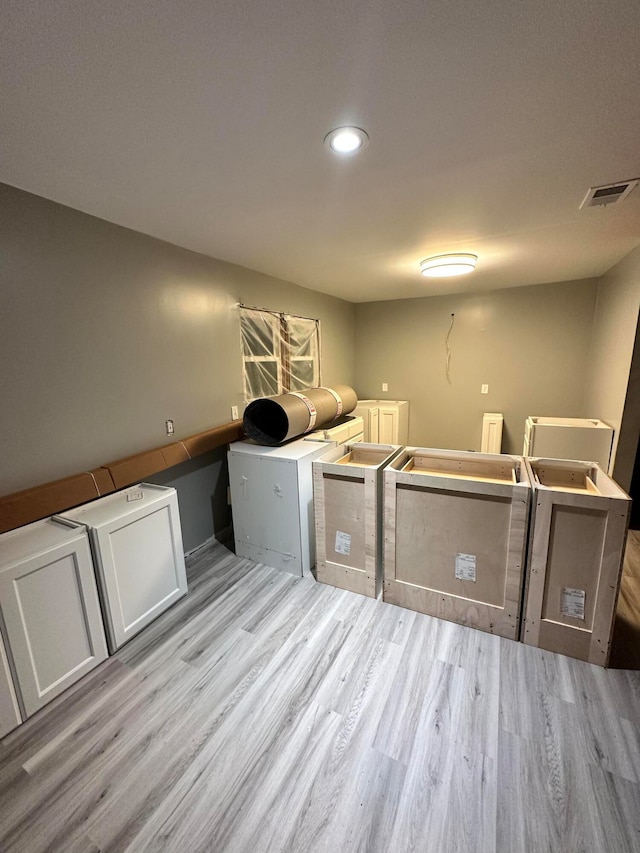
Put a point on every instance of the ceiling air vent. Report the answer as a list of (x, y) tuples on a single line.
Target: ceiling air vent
[(609, 193)]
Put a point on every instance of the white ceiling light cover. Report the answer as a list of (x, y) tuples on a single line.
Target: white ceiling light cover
[(441, 266), (346, 140)]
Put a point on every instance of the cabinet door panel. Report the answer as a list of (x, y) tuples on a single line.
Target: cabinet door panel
[(388, 426), (265, 503), (52, 616), (142, 565), (9, 711), (374, 432)]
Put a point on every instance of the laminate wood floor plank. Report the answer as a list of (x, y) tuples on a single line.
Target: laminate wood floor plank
[(250, 736), (145, 787), (478, 654), (219, 691), (533, 673), (625, 643), (396, 730), (356, 664), (363, 800), (616, 823), (266, 712), (352, 759), (237, 606), (632, 555), (546, 800), (440, 773), (190, 612), (57, 715), (68, 783), (339, 796)]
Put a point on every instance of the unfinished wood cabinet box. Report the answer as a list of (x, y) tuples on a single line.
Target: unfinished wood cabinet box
[(579, 524), (455, 530), (347, 490)]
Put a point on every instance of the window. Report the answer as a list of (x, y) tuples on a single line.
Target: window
[(280, 352)]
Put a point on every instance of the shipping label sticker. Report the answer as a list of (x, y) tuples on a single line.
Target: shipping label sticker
[(572, 602), (343, 543), (466, 567), (136, 495)]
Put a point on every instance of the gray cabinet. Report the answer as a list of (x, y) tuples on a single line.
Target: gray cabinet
[(587, 439), (272, 502), (50, 610)]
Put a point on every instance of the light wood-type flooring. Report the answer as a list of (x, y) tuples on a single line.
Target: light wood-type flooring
[(271, 713), (625, 651)]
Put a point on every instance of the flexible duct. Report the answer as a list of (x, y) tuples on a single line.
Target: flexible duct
[(272, 420)]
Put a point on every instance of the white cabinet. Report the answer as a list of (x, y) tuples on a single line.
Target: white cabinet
[(350, 430), (10, 716), (272, 502), (136, 540), (492, 423), (50, 610), (385, 421), (587, 439), (369, 411), (374, 426)]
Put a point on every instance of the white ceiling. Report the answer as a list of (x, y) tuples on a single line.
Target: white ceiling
[(201, 122)]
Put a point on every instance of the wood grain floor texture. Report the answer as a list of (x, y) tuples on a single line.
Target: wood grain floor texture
[(271, 713)]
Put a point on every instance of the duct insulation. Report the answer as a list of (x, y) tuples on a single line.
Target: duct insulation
[(272, 420)]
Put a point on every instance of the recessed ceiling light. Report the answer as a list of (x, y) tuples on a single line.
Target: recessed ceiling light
[(440, 266), (346, 140)]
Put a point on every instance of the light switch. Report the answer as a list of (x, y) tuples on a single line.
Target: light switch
[(484, 389)]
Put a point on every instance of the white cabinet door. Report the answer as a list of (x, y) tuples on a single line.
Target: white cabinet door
[(388, 425), (51, 612), (265, 508), (272, 502), (10, 716), (140, 560), (374, 426)]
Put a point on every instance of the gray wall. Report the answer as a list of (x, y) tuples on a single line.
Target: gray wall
[(529, 344), (608, 390), (105, 333), (201, 485)]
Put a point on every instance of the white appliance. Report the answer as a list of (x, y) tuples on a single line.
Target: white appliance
[(51, 628), (385, 421), (588, 439), (351, 430), (491, 441), (136, 541), (272, 502)]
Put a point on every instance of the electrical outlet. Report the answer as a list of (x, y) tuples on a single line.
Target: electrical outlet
[(385, 386), (234, 413), (170, 429), (484, 389)]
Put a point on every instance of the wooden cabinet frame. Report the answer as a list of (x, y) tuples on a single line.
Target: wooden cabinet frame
[(442, 506), (578, 531), (347, 488)]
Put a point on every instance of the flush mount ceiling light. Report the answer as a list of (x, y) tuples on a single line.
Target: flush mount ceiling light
[(346, 140), (440, 266)]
